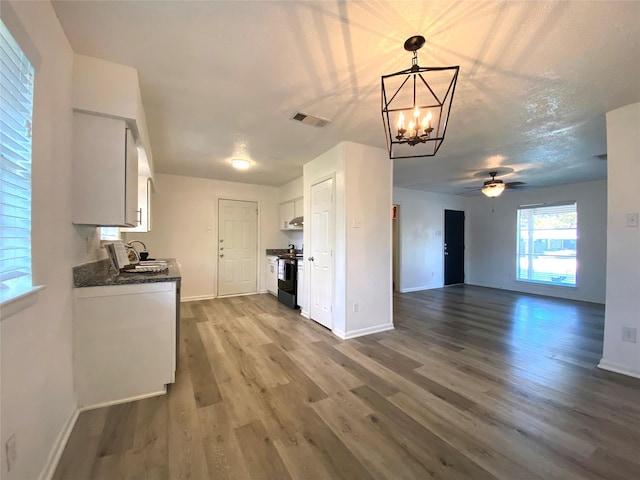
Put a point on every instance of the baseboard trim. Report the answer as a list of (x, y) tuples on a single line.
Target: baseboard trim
[(124, 400), (197, 298), (363, 331), (617, 368), (304, 313), (416, 289), (58, 447)]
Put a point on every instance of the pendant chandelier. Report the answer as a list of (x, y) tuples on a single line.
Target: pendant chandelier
[(419, 99)]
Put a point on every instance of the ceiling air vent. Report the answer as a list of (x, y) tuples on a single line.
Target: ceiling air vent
[(602, 157), (310, 120)]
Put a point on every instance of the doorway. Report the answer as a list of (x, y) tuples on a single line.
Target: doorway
[(237, 247), (453, 247), (321, 259)]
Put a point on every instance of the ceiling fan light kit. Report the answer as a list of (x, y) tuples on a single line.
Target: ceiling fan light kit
[(409, 93), (493, 189)]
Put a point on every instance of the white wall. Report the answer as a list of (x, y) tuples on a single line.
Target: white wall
[(623, 241), (185, 227), (291, 190), (421, 237), (369, 177), (491, 252), (37, 394)]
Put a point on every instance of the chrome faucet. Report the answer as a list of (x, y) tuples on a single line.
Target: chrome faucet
[(130, 245)]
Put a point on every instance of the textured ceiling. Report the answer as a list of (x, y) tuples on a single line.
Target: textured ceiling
[(536, 79)]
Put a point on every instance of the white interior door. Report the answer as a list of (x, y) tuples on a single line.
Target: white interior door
[(237, 247), (322, 237)]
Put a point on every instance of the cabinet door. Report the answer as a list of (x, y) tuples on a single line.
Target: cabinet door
[(124, 341), (302, 301), (286, 214), (272, 275), (104, 155), (131, 180), (143, 219)]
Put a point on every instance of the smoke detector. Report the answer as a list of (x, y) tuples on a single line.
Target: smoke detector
[(311, 120)]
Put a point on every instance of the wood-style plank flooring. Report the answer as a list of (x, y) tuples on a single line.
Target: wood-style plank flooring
[(473, 383)]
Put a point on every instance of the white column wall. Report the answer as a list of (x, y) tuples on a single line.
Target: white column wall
[(623, 241), (369, 177)]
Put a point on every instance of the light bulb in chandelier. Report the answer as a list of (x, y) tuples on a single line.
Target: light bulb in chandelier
[(419, 130)]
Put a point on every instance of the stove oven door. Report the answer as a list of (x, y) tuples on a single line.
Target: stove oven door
[(287, 269)]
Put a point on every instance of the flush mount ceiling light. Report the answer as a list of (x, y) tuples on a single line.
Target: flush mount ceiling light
[(493, 188), (241, 159), (240, 163), (407, 95)]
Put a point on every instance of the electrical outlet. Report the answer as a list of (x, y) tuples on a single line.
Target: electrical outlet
[(355, 307), (11, 450), (629, 334), (632, 219)]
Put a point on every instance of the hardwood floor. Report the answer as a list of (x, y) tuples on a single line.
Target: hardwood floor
[(473, 383)]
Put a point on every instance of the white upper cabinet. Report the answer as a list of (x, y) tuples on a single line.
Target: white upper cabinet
[(288, 211), (105, 172), (298, 209), (108, 108), (286, 214), (143, 215)]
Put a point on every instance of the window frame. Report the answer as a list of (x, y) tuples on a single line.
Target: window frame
[(519, 239), (15, 300)]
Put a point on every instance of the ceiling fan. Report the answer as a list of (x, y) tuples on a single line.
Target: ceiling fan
[(493, 188)]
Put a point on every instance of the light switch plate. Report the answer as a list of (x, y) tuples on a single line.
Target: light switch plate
[(632, 219)]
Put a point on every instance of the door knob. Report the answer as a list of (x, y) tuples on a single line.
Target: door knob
[(221, 240), (310, 259)]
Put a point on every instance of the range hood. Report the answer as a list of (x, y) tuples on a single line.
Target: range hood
[(297, 221)]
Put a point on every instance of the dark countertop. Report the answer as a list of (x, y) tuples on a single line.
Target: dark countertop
[(100, 274), (280, 251)]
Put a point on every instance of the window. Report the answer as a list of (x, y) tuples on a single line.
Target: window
[(16, 107), (109, 233), (547, 244)]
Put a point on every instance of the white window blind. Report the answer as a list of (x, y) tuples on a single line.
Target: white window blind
[(547, 244), (16, 107)]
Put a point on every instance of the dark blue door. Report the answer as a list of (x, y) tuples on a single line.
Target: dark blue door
[(453, 247)]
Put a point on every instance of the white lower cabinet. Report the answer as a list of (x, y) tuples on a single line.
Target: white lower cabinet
[(301, 292), (124, 341), (272, 274)]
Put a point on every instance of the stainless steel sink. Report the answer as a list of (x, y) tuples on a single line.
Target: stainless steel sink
[(148, 266), (154, 263)]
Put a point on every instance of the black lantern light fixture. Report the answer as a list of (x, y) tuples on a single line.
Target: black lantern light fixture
[(420, 100)]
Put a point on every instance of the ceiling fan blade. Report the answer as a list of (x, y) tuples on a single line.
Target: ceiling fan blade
[(514, 185)]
